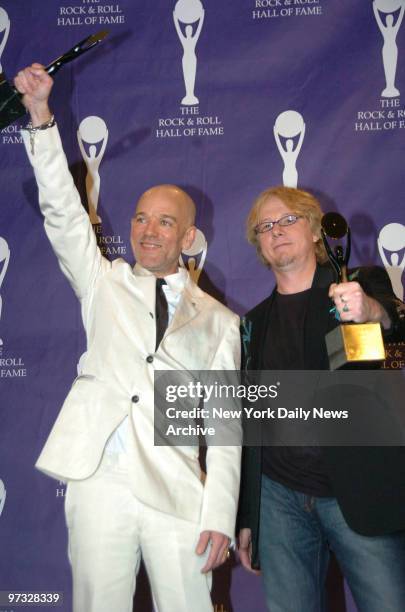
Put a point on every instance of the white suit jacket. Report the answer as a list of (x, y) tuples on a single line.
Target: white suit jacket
[(116, 304)]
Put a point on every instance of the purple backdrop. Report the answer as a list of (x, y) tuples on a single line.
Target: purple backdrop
[(293, 91)]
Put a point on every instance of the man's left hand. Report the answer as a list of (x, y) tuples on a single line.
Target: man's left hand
[(219, 549), (354, 305)]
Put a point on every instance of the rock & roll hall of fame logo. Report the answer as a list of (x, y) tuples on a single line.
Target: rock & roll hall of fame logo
[(389, 15), (390, 116), (90, 13), (10, 134), (391, 246), (4, 32), (187, 21), (188, 17), (4, 261), (193, 259), (11, 366), (92, 136), (289, 132), (3, 494)]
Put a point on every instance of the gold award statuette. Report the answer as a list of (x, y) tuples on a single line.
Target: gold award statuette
[(349, 342)]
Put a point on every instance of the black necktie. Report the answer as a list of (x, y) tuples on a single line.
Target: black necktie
[(162, 312)]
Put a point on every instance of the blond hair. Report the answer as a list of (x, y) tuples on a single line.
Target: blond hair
[(300, 203)]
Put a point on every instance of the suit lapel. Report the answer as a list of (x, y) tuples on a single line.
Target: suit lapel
[(146, 285), (262, 337), (187, 309), (256, 345), (317, 320)]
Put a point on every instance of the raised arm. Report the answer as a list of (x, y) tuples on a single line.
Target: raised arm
[(278, 142), (399, 20), (35, 85), (382, 253), (178, 28), (199, 27), (82, 149), (103, 146), (66, 222), (378, 18), (300, 141), (371, 299)]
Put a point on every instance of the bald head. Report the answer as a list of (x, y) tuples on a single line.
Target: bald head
[(184, 203), (162, 227)]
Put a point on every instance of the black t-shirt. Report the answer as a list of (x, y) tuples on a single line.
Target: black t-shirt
[(298, 467)]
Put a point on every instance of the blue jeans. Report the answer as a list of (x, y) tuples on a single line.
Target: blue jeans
[(296, 533)]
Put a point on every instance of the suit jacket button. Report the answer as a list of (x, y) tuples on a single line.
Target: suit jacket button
[(149, 359), (135, 399)]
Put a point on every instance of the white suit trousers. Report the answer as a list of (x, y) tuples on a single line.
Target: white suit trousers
[(109, 531)]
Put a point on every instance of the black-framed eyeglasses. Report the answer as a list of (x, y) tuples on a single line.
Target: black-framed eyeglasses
[(284, 221)]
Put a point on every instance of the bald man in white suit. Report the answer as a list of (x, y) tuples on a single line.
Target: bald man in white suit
[(125, 497)]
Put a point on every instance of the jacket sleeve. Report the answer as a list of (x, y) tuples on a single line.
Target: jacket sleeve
[(66, 222), (377, 284), (221, 488)]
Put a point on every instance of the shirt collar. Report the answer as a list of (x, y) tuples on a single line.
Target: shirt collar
[(176, 282)]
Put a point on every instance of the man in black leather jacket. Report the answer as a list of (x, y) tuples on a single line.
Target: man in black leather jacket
[(298, 503)]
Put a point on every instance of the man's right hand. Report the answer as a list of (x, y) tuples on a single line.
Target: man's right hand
[(245, 549), (35, 84)]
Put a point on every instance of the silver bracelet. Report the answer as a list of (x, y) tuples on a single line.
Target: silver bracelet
[(38, 128)]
